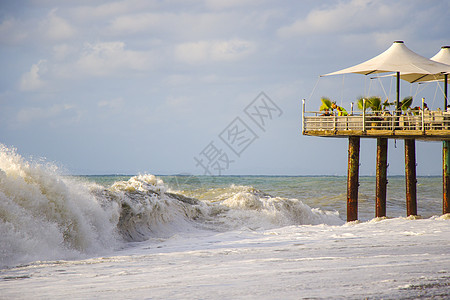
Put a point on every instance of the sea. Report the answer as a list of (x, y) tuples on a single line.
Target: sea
[(144, 236)]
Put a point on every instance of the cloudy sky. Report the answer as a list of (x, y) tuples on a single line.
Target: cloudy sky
[(166, 87)]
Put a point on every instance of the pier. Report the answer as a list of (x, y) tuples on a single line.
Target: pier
[(402, 122), (422, 125)]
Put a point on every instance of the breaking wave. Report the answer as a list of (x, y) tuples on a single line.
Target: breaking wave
[(46, 216)]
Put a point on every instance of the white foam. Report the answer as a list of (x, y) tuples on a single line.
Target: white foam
[(44, 216), (147, 212), (47, 216), (245, 206)]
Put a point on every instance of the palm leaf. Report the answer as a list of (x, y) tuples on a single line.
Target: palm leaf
[(326, 104), (406, 102), (360, 103), (374, 103)]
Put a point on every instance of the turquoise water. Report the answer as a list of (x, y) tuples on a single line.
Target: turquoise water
[(324, 192)]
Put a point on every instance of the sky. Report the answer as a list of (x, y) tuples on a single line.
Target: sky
[(202, 87)]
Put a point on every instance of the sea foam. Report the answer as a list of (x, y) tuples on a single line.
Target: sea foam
[(44, 216), (47, 216)]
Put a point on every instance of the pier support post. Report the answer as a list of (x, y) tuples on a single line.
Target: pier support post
[(381, 177), (410, 177), (352, 178), (446, 177)]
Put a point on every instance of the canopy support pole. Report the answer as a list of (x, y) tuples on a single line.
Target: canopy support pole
[(445, 91), (381, 178), (303, 116), (410, 177), (352, 178), (398, 91), (446, 177)]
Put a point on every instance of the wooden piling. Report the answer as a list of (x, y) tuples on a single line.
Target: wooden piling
[(446, 177), (352, 178), (381, 178), (410, 177)]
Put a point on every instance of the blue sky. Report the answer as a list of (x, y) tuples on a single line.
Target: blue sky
[(138, 86)]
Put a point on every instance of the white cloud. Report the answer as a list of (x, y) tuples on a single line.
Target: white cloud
[(111, 58), (182, 26), (57, 28), (345, 17), (32, 114), (138, 22), (11, 32), (214, 51), (60, 52), (221, 4), (188, 79), (31, 80), (115, 104), (111, 8)]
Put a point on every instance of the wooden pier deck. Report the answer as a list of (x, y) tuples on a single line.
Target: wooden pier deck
[(426, 125), (408, 125)]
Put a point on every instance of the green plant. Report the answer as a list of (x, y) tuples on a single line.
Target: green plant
[(342, 111), (328, 106), (406, 103), (374, 104)]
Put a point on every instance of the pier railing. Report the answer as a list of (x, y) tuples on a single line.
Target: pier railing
[(377, 123)]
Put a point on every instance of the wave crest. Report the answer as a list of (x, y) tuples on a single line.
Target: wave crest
[(147, 210), (246, 206), (43, 214), (46, 216)]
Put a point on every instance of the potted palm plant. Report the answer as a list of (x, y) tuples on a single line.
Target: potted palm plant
[(328, 107), (377, 108)]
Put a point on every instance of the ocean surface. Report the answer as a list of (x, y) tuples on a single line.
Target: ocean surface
[(228, 237)]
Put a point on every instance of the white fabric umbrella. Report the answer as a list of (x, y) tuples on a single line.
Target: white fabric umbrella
[(443, 56), (400, 59)]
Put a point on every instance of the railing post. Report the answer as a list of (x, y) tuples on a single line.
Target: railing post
[(334, 122), (393, 122), (423, 113), (303, 116), (364, 115)]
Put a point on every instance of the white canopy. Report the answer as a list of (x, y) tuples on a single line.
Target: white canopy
[(443, 56), (398, 58)]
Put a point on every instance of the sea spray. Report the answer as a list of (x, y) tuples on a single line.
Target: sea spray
[(45, 216), (148, 211), (249, 207)]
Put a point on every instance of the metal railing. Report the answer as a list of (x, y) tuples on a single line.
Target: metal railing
[(421, 120)]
